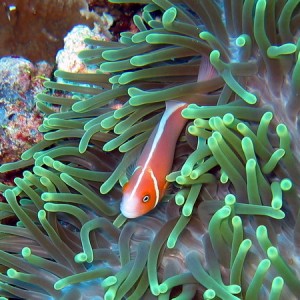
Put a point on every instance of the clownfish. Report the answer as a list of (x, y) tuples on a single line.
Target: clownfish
[(148, 183)]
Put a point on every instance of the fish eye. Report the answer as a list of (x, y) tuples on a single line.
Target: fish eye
[(146, 198)]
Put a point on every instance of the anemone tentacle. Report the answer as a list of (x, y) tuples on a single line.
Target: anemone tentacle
[(229, 228)]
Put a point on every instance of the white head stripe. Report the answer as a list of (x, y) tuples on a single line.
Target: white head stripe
[(155, 187)]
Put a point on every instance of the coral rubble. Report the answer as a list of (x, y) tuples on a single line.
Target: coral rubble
[(21, 81), (67, 58)]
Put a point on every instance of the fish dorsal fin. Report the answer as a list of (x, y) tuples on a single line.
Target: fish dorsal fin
[(206, 70)]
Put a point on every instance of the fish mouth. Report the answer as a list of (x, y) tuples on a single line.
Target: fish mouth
[(130, 214)]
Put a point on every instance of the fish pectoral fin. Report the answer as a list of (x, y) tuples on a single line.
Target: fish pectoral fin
[(131, 170), (124, 186)]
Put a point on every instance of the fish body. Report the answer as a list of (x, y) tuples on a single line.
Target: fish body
[(148, 183)]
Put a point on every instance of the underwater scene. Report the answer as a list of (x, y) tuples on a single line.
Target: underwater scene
[(149, 149)]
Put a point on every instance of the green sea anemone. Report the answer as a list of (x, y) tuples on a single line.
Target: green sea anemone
[(228, 227)]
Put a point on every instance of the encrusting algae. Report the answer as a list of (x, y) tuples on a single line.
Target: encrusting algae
[(228, 226)]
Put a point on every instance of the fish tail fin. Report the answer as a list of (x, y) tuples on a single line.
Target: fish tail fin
[(174, 105), (206, 70)]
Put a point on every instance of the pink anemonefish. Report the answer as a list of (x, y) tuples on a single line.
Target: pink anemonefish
[(148, 183)]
